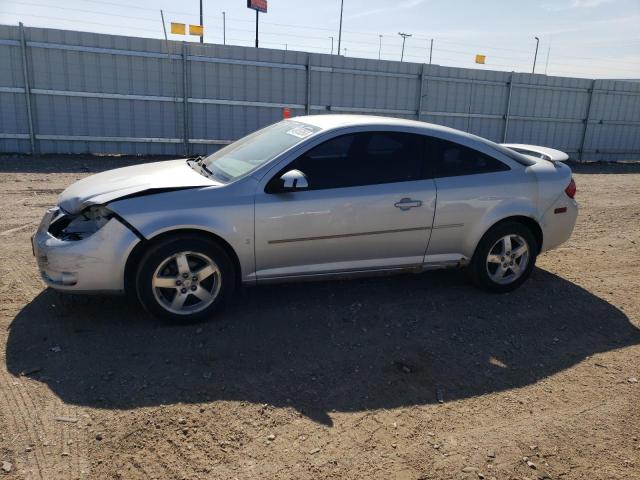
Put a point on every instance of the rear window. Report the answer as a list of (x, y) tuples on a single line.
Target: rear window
[(451, 159)]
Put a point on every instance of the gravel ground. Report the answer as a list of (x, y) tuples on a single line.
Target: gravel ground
[(406, 377)]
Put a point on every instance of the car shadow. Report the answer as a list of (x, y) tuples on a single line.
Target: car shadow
[(318, 347)]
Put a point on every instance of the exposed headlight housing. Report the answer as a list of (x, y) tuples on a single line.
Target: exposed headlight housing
[(70, 227)]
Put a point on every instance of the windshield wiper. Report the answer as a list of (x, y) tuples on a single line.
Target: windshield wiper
[(204, 167), (203, 170), (198, 159), (199, 167)]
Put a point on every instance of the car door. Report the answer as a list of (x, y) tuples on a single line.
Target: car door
[(367, 206), (473, 187)]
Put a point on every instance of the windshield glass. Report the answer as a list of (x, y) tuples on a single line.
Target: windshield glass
[(245, 155)]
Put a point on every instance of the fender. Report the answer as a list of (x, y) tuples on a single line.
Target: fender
[(512, 208), (227, 212)]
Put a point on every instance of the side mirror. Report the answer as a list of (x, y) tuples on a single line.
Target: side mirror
[(293, 180)]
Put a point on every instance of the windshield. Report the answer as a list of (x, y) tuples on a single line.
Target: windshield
[(245, 155)]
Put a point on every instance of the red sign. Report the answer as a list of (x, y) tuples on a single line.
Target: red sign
[(259, 5)]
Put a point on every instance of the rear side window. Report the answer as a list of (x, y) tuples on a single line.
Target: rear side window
[(367, 158), (450, 159)]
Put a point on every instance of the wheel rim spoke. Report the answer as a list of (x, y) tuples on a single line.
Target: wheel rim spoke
[(501, 272), (506, 243), (182, 263), (205, 272), (203, 294), (521, 250), (178, 301), (494, 258), (164, 282)]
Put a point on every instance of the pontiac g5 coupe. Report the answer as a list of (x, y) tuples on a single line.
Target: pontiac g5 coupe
[(309, 197)]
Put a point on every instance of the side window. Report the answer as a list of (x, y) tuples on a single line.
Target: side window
[(367, 158), (450, 159)]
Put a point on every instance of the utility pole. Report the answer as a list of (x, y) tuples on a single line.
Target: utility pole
[(201, 24), (224, 28), (431, 51), (340, 31), (345, 51), (380, 47), (535, 56), (404, 39), (331, 44)]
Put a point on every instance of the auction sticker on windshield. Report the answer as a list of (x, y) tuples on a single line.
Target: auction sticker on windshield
[(301, 132)]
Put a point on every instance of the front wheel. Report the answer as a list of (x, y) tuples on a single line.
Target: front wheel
[(184, 279), (504, 258)]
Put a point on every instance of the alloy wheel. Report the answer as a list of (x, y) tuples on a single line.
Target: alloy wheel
[(186, 282), (507, 259)]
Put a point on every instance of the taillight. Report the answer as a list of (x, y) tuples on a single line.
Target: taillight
[(571, 189)]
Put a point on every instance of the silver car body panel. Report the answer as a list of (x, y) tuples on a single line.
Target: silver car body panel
[(105, 187), (225, 211), (95, 264), (316, 233)]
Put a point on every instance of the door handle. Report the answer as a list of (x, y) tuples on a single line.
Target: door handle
[(407, 203)]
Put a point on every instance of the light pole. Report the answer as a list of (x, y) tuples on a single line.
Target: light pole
[(201, 24), (340, 31), (380, 47), (224, 28), (404, 39), (535, 56), (431, 51), (257, 12), (331, 44), (345, 51), (546, 66)]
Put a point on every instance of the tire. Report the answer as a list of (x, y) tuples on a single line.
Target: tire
[(506, 270), (184, 279)]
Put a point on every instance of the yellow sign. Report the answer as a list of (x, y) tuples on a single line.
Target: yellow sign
[(196, 30), (178, 28), (480, 58)]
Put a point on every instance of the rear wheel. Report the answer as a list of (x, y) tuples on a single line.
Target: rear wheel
[(184, 279), (504, 258)]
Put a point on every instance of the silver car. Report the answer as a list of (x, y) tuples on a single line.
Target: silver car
[(308, 198)]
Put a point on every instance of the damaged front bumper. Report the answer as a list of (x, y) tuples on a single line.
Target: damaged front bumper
[(92, 264)]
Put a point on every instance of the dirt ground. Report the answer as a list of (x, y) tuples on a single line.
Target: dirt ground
[(407, 377)]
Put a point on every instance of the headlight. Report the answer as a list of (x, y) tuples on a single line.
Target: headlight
[(78, 227)]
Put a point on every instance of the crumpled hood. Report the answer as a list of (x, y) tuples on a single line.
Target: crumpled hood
[(107, 186)]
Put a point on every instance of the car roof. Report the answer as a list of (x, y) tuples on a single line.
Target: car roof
[(332, 121)]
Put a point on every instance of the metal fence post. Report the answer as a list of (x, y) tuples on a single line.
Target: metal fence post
[(586, 121), (185, 99), (27, 89), (471, 85), (307, 107), (420, 92), (506, 114)]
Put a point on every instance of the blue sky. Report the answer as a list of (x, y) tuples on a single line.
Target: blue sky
[(586, 38)]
